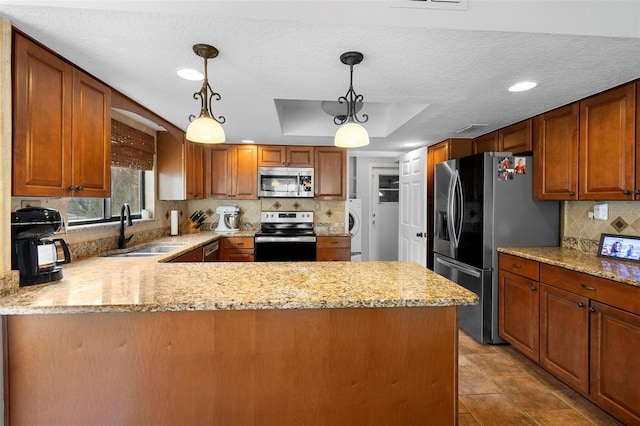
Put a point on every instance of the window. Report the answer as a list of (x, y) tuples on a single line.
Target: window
[(388, 189), (132, 154), (127, 186)]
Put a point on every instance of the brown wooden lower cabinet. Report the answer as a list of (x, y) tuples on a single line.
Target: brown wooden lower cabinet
[(237, 249), (615, 361), (519, 313), (564, 336), (195, 255), (333, 249), (373, 366), (589, 331)]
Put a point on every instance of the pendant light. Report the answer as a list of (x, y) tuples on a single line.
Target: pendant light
[(351, 134), (206, 128)]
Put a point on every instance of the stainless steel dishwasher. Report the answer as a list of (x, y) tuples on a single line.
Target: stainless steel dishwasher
[(212, 251)]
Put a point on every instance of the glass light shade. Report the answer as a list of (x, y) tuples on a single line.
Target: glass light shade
[(205, 130), (351, 135)]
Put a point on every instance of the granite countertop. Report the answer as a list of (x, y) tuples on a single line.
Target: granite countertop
[(626, 272), (151, 284)]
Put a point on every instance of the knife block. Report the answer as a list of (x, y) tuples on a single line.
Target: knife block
[(188, 227)]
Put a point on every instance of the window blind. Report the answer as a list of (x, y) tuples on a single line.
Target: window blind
[(130, 147)]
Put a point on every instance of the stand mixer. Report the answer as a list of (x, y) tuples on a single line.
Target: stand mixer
[(229, 220)]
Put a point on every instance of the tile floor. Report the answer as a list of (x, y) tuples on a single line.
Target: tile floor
[(499, 386)]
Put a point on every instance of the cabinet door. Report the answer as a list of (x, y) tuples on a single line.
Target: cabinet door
[(330, 173), (460, 147), (244, 172), (564, 336), (615, 363), (91, 137), (195, 255), (519, 313), (42, 88), (218, 171), (555, 145), (516, 138), (300, 156), (637, 191), (271, 155), (607, 145), (194, 168), (486, 143)]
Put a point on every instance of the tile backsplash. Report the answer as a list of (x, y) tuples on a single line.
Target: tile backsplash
[(582, 233)]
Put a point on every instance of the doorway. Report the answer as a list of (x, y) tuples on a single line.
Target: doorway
[(383, 224)]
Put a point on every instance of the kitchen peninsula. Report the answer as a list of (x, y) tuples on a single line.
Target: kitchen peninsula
[(124, 340)]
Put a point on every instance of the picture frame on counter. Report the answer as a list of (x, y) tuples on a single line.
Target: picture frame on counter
[(621, 247)]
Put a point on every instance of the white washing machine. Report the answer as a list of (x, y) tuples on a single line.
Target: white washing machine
[(355, 228)]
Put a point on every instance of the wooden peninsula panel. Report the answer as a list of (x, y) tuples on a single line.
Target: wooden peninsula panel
[(374, 366)]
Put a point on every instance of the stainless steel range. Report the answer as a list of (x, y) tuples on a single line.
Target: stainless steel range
[(285, 237)]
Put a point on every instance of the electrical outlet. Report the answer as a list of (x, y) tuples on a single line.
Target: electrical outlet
[(601, 211)]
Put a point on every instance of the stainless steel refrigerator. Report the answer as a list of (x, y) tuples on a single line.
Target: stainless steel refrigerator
[(483, 202)]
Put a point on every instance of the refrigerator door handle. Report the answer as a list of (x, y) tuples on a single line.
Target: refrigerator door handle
[(460, 203), (457, 267), (450, 208)]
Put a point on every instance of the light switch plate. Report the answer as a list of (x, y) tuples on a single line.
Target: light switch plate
[(601, 211)]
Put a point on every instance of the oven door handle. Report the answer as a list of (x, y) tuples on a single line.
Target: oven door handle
[(307, 239)]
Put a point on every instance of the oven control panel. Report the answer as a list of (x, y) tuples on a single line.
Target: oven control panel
[(286, 217)]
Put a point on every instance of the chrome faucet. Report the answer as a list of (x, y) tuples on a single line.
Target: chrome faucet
[(122, 240)]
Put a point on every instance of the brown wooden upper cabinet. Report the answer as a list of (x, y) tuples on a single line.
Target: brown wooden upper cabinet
[(516, 138), (555, 145), (486, 143), (61, 128), (231, 172), (637, 191), (285, 155), (180, 168), (588, 150), (607, 145), (330, 173)]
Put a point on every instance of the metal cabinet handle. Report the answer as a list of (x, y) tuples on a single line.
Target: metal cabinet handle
[(586, 287), (591, 309), (571, 193), (75, 188), (533, 288), (580, 304), (626, 192), (515, 265), (637, 191)]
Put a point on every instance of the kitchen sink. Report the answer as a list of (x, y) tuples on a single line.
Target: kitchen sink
[(153, 250)]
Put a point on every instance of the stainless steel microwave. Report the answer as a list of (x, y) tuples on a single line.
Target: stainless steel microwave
[(290, 182)]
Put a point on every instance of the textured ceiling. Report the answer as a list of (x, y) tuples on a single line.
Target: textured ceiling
[(426, 72)]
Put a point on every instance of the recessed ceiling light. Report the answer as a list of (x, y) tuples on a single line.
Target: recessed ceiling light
[(189, 74), (412, 144), (522, 86), (247, 141)]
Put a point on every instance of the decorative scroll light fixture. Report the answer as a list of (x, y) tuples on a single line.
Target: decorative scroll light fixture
[(205, 128), (351, 134)]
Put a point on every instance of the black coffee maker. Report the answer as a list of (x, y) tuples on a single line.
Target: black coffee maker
[(33, 250)]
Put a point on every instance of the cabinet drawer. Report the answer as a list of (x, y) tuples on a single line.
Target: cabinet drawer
[(519, 266), (624, 296), (237, 242), (330, 255), (333, 242)]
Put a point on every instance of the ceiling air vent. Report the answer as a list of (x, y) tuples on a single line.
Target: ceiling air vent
[(470, 128)]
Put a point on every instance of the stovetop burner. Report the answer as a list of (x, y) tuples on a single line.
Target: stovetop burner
[(286, 224)]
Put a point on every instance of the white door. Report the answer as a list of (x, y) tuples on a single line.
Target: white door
[(383, 226), (413, 207)]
